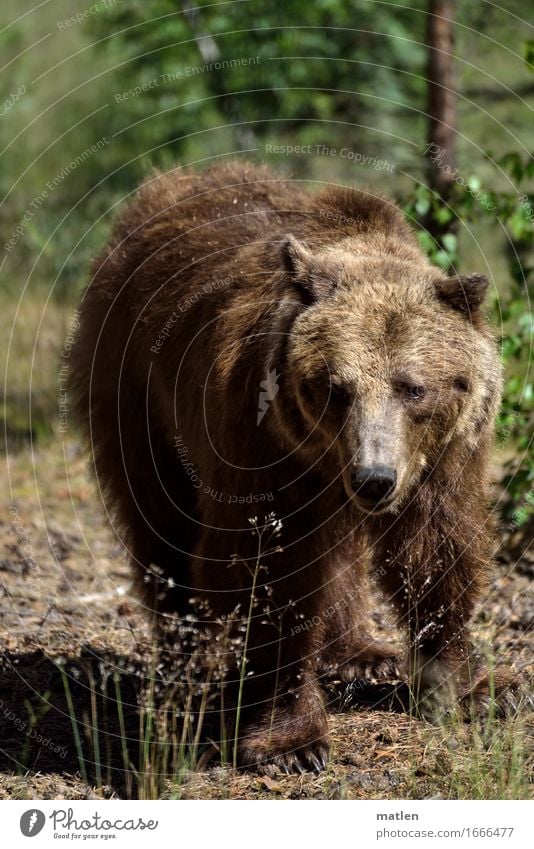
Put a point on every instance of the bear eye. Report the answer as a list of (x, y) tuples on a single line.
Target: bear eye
[(461, 383), (414, 393), (411, 391), (339, 394)]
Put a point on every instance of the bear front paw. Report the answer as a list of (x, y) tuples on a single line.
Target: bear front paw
[(261, 758), (272, 752)]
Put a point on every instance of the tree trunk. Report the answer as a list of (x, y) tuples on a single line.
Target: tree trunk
[(441, 103)]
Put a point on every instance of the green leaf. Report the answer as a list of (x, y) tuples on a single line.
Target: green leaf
[(513, 163), (443, 215), (426, 241), (474, 183), (450, 242), (443, 259), (528, 53), (422, 206)]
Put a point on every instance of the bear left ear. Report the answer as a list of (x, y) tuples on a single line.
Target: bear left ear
[(309, 280), (296, 258), (464, 294)]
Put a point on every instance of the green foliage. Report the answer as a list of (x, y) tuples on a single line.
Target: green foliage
[(263, 70), (422, 206), (166, 83), (517, 414)]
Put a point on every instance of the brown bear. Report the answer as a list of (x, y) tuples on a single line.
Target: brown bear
[(253, 352)]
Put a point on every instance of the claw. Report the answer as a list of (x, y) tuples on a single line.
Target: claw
[(315, 763), (298, 766)]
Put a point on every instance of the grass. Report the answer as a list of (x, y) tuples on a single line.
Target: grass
[(483, 759), (474, 761), (32, 334), (74, 723), (492, 764)]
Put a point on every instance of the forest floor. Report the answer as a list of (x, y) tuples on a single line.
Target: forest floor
[(77, 650)]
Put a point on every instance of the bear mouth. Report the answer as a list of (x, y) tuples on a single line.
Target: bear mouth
[(367, 506), (373, 507)]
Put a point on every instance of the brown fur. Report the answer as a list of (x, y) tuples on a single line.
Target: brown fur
[(252, 275)]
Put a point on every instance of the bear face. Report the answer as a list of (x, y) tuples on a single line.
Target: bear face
[(388, 362)]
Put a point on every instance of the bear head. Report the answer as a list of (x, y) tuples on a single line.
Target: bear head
[(389, 366)]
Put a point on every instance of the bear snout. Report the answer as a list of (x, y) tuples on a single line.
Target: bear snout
[(373, 486)]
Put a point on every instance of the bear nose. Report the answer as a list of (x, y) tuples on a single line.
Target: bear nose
[(373, 483)]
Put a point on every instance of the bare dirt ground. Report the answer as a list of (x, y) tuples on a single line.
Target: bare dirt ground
[(73, 638)]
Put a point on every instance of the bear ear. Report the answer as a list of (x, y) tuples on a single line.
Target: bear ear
[(296, 258), (464, 294), (310, 282)]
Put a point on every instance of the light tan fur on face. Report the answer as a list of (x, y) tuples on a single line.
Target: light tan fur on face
[(381, 326)]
